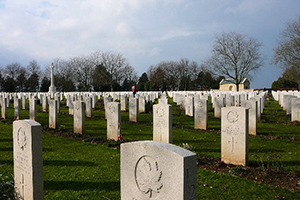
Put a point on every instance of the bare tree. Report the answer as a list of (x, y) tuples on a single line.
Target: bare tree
[(34, 67), (116, 65), (13, 70), (65, 75), (234, 57), (83, 68), (287, 53)]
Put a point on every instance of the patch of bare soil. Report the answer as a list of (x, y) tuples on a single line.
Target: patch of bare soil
[(278, 178)]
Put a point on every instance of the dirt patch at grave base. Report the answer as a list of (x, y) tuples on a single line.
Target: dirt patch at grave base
[(278, 178)]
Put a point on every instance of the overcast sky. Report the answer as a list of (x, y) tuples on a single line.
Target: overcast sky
[(146, 32)]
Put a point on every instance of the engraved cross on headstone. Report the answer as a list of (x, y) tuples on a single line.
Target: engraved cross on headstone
[(232, 143), (22, 187)]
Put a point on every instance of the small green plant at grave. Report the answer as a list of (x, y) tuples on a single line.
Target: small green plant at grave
[(187, 146), (237, 170), (7, 190), (63, 128), (268, 161)]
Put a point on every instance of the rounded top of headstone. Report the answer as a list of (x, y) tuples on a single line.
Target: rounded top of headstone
[(162, 146)]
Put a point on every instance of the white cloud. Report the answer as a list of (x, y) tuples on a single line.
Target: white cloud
[(145, 31), (177, 33), (250, 7), (155, 51)]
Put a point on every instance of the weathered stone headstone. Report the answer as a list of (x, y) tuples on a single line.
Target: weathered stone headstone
[(251, 105), (88, 107), (57, 98), (258, 100), (189, 106), (4, 108), (229, 100), (157, 170), (201, 114), (162, 123), (288, 104), (28, 159), (295, 109), (113, 120), (163, 100), (142, 103), (53, 119), (133, 109), (23, 102), (32, 109), (234, 135), (218, 105), (94, 101), (106, 101), (17, 108), (45, 103), (79, 117), (124, 101), (71, 108)]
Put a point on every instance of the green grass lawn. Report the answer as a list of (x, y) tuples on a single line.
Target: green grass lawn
[(75, 169)]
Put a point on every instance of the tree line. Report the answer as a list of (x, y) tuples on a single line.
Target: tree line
[(234, 57), (287, 55), (105, 71)]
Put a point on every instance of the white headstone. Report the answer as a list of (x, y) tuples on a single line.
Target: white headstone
[(28, 159), (4, 108), (45, 103), (157, 170), (234, 135), (162, 123), (201, 114), (189, 106), (17, 108), (133, 109), (32, 109), (53, 118), (142, 104), (219, 102), (113, 120), (124, 101), (88, 107), (251, 105), (79, 117), (295, 109), (24, 102)]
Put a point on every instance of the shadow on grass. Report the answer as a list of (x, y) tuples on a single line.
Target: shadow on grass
[(6, 149), (6, 140), (291, 163), (265, 150), (208, 150), (47, 149), (6, 162), (68, 163), (78, 185)]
